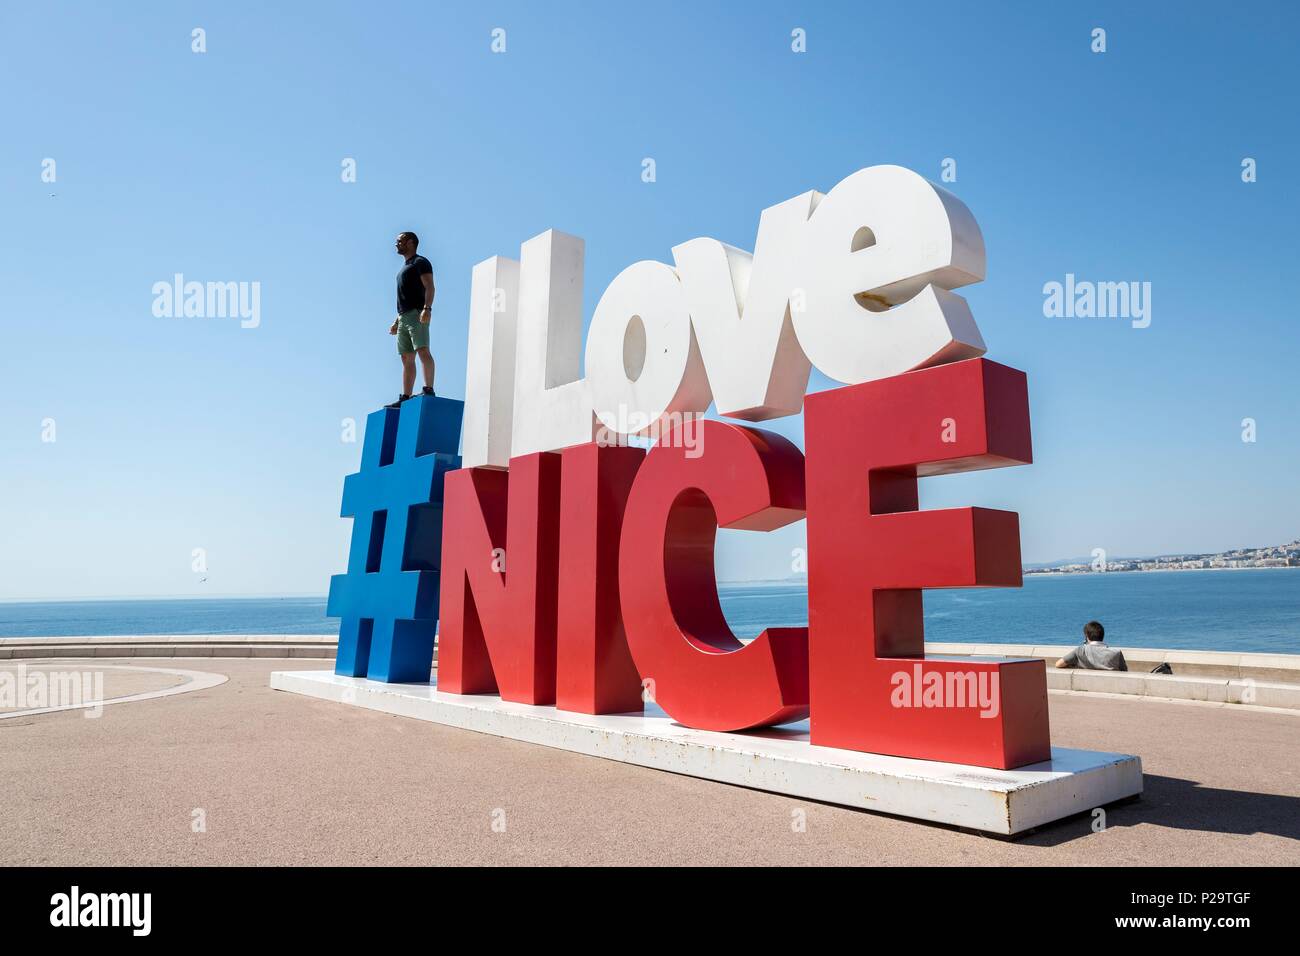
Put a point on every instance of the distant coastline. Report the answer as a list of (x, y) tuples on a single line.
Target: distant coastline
[(1064, 574), (1238, 559)]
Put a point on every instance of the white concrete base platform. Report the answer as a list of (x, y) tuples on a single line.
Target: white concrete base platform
[(779, 759)]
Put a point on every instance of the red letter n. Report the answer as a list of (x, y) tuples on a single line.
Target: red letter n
[(499, 562)]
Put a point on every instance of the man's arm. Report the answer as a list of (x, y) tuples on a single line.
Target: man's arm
[(1070, 659), (427, 312)]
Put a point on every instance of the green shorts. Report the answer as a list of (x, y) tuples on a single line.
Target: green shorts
[(412, 334)]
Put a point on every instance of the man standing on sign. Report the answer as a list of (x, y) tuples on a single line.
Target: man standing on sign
[(414, 305)]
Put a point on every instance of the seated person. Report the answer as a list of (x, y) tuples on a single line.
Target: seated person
[(1093, 654)]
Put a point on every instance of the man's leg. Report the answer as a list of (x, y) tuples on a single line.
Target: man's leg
[(408, 372), (426, 362)]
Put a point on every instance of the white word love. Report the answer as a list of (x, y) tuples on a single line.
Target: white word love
[(856, 282)]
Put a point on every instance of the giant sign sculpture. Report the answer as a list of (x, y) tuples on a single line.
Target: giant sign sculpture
[(577, 572)]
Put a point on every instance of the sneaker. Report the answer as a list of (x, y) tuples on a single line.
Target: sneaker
[(398, 403), (429, 391)]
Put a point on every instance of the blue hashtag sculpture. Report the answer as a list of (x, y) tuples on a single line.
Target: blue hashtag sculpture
[(388, 600)]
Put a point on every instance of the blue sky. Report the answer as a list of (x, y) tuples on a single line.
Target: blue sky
[(176, 434)]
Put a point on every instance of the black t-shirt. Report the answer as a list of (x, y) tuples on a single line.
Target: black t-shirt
[(410, 290)]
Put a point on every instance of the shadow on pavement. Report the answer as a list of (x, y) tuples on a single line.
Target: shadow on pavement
[(1186, 805)]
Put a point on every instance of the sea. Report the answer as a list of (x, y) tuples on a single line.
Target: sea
[(1252, 610)]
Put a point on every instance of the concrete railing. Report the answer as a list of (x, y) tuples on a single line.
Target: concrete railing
[(1211, 690), (315, 646), (1218, 677), (1223, 677), (1278, 668)]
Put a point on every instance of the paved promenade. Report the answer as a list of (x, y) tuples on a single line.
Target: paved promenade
[(275, 778)]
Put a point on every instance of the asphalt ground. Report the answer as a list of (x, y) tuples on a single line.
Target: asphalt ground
[(241, 774)]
